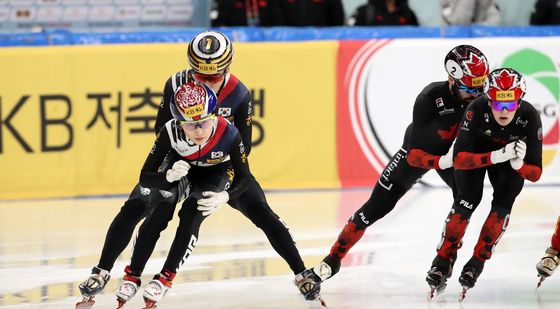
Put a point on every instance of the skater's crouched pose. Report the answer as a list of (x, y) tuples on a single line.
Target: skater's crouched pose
[(500, 135), (210, 55), (209, 151), (427, 145)]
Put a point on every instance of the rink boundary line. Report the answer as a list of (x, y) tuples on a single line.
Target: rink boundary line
[(421, 187)]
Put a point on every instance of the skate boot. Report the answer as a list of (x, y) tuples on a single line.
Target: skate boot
[(129, 287), (328, 267), (469, 275), (437, 276), (309, 285), (547, 264), (156, 290), (94, 284)]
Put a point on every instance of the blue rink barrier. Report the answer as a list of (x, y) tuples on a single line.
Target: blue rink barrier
[(252, 34)]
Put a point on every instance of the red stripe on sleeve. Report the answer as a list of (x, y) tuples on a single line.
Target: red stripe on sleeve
[(530, 172), (468, 160), (419, 158)]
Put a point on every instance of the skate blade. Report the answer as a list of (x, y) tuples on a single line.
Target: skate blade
[(436, 290), (120, 302), (321, 302), (86, 303), (541, 280), (150, 304), (463, 294)]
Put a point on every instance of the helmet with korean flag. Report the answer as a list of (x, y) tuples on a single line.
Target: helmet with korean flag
[(193, 102)]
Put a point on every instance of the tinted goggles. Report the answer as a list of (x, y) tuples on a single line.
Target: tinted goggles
[(473, 91), (203, 124), (205, 78), (510, 106)]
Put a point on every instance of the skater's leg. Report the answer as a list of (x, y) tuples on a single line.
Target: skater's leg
[(550, 260), (507, 185), (129, 287), (253, 205), (548, 263), (121, 229), (397, 178), (149, 233), (184, 242), (186, 235), (94, 284), (470, 185), (468, 197), (555, 240)]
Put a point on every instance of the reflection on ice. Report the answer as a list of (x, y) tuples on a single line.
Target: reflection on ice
[(43, 261)]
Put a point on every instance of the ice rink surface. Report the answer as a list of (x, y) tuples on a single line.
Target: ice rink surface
[(47, 247)]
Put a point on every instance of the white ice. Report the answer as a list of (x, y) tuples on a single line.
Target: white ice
[(48, 246)]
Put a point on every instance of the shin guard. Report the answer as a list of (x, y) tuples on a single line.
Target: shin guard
[(493, 229), (347, 238), (555, 241), (452, 234)]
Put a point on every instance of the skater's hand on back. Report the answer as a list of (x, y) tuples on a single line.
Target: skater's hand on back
[(212, 201), (178, 171), (446, 161)]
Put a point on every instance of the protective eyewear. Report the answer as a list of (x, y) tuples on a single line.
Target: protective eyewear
[(205, 78), (203, 124), (510, 106), (473, 91)]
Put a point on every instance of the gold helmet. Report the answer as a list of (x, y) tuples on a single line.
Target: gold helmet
[(210, 52)]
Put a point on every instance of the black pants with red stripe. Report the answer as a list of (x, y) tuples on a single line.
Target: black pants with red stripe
[(507, 184), (397, 178)]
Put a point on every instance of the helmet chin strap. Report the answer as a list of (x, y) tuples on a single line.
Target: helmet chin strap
[(455, 92), (453, 89)]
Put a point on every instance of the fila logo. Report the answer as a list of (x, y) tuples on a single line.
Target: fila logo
[(466, 204), (224, 111), (216, 154), (439, 102), (363, 218)]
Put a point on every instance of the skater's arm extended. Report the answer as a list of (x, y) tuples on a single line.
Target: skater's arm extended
[(423, 145), (465, 157)]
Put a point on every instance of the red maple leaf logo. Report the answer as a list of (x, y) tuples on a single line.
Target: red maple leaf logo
[(448, 134), (506, 80), (477, 66)]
